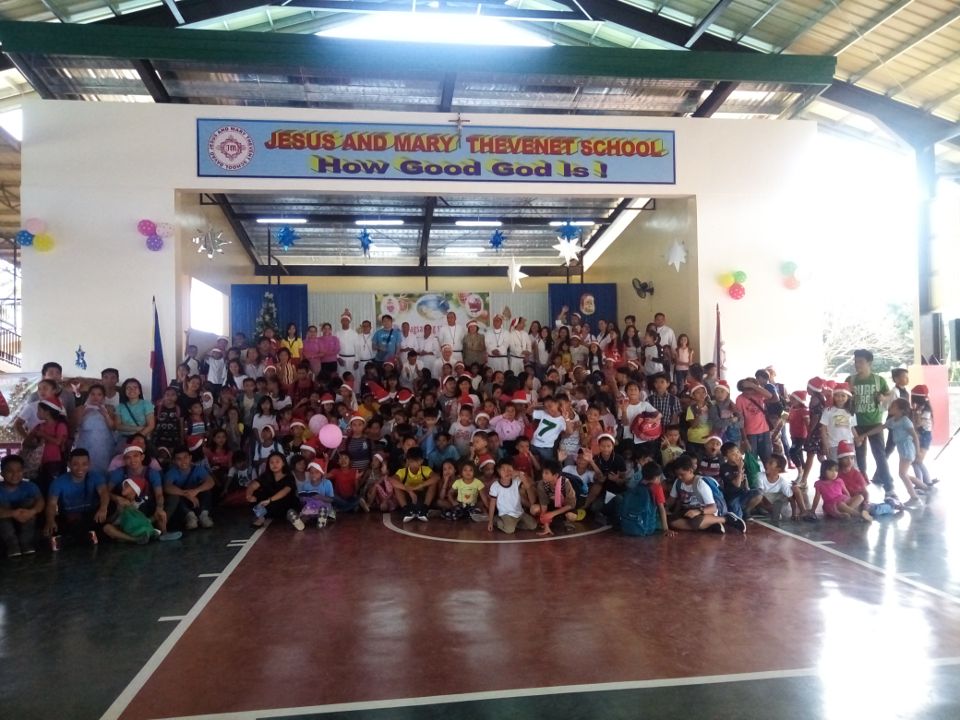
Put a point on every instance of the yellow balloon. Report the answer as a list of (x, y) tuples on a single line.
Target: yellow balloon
[(43, 242), (726, 279)]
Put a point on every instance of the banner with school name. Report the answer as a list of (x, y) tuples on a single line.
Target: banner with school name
[(361, 151), (432, 308)]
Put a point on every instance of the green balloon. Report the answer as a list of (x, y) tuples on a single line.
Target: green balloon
[(788, 268), (740, 276)]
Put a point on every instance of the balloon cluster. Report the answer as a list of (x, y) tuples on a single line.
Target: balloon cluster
[(34, 234), (789, 272), (155, 233), (733, 282)]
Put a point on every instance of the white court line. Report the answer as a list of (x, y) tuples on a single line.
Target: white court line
[(825, 542), (208, 575), (170, 618), (140, 679), (526, 692), (388, 523), (902, 577)]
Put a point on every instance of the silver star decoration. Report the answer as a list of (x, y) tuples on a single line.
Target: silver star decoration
[(210, 241), (515, 274), (676, 255), (568, 250)]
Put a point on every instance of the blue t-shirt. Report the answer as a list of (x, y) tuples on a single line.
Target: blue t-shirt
[(324, 487), (75, 496), (22, 495), (388, 342), (194, 477), (436, 458), (120, 474)]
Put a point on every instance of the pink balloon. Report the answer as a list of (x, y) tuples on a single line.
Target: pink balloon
[(147, 227), (737, 291), (35, 226), (330, 436), (316, 423)]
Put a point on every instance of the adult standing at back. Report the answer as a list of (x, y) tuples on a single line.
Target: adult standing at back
[(452, 334), (386, 341), (520, 345), (870, 395), (497, 341), (347, 358)]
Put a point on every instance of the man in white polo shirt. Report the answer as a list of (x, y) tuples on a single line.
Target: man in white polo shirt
[(452, 334)]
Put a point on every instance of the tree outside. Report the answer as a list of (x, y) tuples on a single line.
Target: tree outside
[(886, 331)]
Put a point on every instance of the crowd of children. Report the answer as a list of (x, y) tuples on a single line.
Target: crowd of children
[(561, 427)]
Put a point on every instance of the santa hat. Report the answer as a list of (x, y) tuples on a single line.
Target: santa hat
[(513, 323), (317, 465), (307, 448), (355, 418), (326, 399), (195, 442), (465, 401), (380, 456), (378, 391), (845, 449), (346, 387), (576, 337), (55, 405), (132, 449), (459, 364), (695, 387), (474, 323), (486, 460), (297, 423), (404, 396), (722, 385), (633, 364), (607, 436), (815, 384), (920, 391), (829, 385), (520, 396), (265, 428), (481, 415), (446, 345), (714, 437), (464, 376), (799, 395), (842, 388), (389, 363), (132, 484), (346, 314), (215, 349)]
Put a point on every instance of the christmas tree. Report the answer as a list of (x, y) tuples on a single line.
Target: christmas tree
[(267, 318)]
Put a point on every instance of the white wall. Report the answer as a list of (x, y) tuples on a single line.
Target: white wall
[(93, 169)]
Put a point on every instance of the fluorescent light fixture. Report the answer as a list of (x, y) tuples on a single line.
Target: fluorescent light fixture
[(575, 223), (376, 251), (478, 223), (281, 221), (375, 223), (425, 27), (613, 231)]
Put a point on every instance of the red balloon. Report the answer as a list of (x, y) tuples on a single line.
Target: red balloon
[(737, 291), (791, 283)]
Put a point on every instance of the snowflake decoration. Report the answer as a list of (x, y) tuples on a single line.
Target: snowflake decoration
[(568, 250), (81, 361), (497, 239), (286, 237), (515, 274), (364, 238), (568, 231)]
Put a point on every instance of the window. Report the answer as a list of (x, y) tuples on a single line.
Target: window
[(207, 308)]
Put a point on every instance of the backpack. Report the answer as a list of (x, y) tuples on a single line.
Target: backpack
[(715, 490), (638, 514)]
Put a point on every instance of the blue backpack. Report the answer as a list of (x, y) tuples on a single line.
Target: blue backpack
[(718, 498), (638, 513)]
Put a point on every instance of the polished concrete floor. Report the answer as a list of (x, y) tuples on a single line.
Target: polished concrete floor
[(375, 619)]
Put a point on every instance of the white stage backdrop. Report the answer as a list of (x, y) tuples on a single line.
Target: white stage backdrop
[(328, 306)]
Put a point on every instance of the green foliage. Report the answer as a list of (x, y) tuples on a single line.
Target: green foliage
[(887, 332), (267, 316)]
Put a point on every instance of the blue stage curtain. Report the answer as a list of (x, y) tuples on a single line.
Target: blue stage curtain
[(246, 301), (594, 301)]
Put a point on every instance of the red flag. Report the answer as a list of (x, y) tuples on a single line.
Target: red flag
[(159, 379)]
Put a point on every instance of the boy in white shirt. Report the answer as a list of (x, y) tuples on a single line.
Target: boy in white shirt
[(548, 431), (507, 498)]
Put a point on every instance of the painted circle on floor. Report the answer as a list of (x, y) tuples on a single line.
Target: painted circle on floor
[(476, 533)]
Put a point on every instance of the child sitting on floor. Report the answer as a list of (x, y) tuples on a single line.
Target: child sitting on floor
[(733, 482), (464, 494), (128, 524), (316, 495), (837, 502), (778, 490), (555, 497), (506, 500), (694, 506)]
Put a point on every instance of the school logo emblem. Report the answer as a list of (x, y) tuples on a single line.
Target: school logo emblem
[(231, 147)]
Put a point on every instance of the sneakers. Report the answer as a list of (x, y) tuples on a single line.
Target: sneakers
[(191, 522), (168, 536), (422, 517), (409, 517), (718, 529), (56, 542), (92, 536), (14, 554), (913, 503), (205, 520), (332, 515), (295, 520), (29, 550), (322, 518), (735, 521)]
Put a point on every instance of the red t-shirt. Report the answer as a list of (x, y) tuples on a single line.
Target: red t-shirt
[(799, 421), (344, 482), (656, 492), (53, 449), (854, 481), (523, 463)]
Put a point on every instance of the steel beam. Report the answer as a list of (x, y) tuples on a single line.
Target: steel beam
[(151, 80), (717, 97), (362, 57), (858, 35), (372, 270), (238, 229), (174, 11), (429, 206), (708, 20)]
